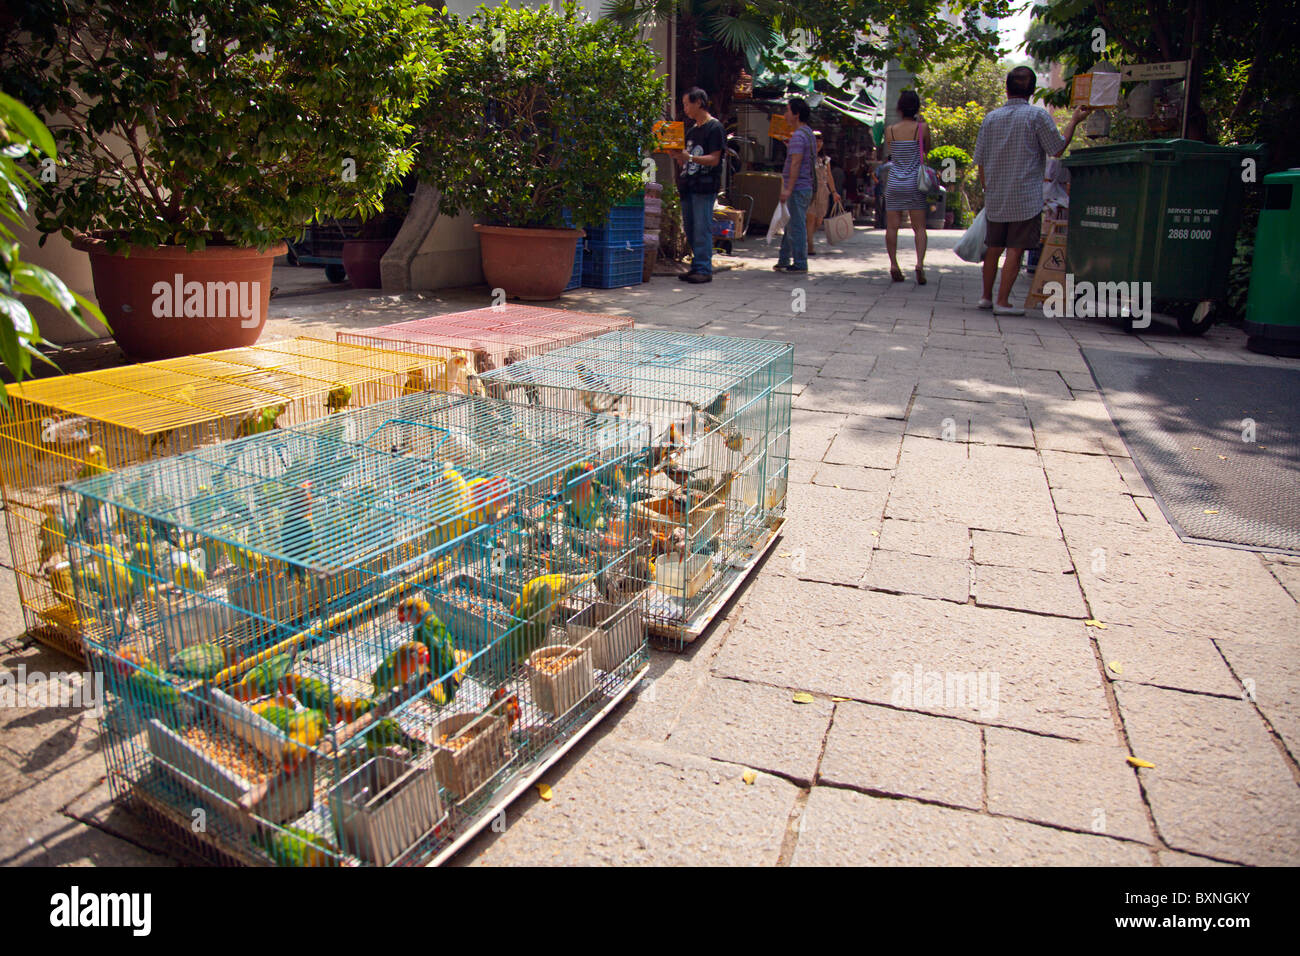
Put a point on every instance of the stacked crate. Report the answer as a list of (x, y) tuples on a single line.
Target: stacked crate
[(56, 429), (479, 340), (714, 494), (409, 608), (614, 252)]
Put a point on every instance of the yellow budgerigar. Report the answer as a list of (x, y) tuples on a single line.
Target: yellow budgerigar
[(51, 536)]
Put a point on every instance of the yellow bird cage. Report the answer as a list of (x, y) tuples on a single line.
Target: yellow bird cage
[(58, 429)]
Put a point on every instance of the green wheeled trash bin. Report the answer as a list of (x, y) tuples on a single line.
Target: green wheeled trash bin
[(1272, 313), (1159, 211)]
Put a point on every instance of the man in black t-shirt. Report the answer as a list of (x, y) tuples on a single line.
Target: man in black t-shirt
[(700, 175)]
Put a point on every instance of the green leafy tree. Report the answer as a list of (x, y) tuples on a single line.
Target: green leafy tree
[(839, 41), (183, 122), (23, 134), (539, 112)]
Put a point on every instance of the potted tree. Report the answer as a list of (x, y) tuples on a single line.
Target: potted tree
[(193, 137), (362, 255), (539, 113)]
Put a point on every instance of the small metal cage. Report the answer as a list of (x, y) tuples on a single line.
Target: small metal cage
[(56, 429), (477, 341), (714, 494), (342, 641)]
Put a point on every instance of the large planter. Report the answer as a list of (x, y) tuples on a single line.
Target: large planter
[(533, 264), (162, 302), (361, 261)]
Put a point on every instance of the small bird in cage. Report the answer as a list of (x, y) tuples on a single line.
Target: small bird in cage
[(530, 391), (401, 665), (338, 398), (262, 420), (444, 658), (582, 504), (510, 707), (416, 382), (51, 536), (455, 374)]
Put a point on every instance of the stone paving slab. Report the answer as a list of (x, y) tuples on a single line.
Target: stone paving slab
[(845, 828), (755, 726), (625, 804), (869, 645), (1145, 655), (1220, 786), (899, 753), (1080, 786)]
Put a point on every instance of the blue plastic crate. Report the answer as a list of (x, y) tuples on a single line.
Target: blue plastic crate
[(612, 265), (575, 280), (625, 223)]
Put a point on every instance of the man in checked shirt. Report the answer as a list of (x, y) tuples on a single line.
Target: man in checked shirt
[(1011, 152)]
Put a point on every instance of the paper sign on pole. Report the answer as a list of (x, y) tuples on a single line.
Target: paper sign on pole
[(1095, 89)]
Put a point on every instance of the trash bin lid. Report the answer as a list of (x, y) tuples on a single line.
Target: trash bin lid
[(1285, 176), (1158, 150)]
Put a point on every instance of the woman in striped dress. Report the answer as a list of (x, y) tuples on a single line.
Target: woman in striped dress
[(901, 195)]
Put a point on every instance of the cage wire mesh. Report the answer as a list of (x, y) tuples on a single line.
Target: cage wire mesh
[(336, 642), (475, 342), (56, 429), (714, 490)]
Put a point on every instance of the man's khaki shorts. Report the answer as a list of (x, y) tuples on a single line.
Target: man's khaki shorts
[(1025, 234)]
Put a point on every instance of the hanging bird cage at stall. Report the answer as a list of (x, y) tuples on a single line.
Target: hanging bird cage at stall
[(344, 641), (57, 429), (713, 494), (477, 341)]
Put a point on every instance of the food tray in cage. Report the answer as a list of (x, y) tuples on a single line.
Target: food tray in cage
[(682, 578), (658, 514), (475, 612), (202, 757), (559, 677), (384, 807), (612, 633), (468, 749)]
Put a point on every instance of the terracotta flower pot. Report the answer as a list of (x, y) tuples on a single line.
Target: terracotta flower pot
[(361, 260), (531, 264), (164, 301)]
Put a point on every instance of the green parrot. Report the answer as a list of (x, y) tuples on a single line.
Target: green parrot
[(338, 398), (387, 732), (263, 420)]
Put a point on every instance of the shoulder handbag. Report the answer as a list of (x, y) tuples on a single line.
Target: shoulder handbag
[(927, 180), (838, 225)]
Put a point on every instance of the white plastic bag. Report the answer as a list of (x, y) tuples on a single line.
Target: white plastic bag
[(971, 247), (779, 218)]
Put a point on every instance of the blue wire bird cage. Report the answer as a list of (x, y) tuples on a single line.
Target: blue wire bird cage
[(345, 641), (713, 494)]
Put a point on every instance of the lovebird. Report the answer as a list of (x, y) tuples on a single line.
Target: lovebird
[(401, 665), (582, 502), (386, 733), (338, 398), (444, 658), (295, 846)]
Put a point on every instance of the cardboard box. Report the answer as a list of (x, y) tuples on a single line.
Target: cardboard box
[(1095, 89), (670, 135)]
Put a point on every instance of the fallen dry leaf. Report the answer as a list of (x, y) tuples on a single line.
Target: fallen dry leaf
[(1139, 762), (1115, 667), (1093, 622), (839, 700), (1211, 511), (803, 697), (749, 776), (544, 791)]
